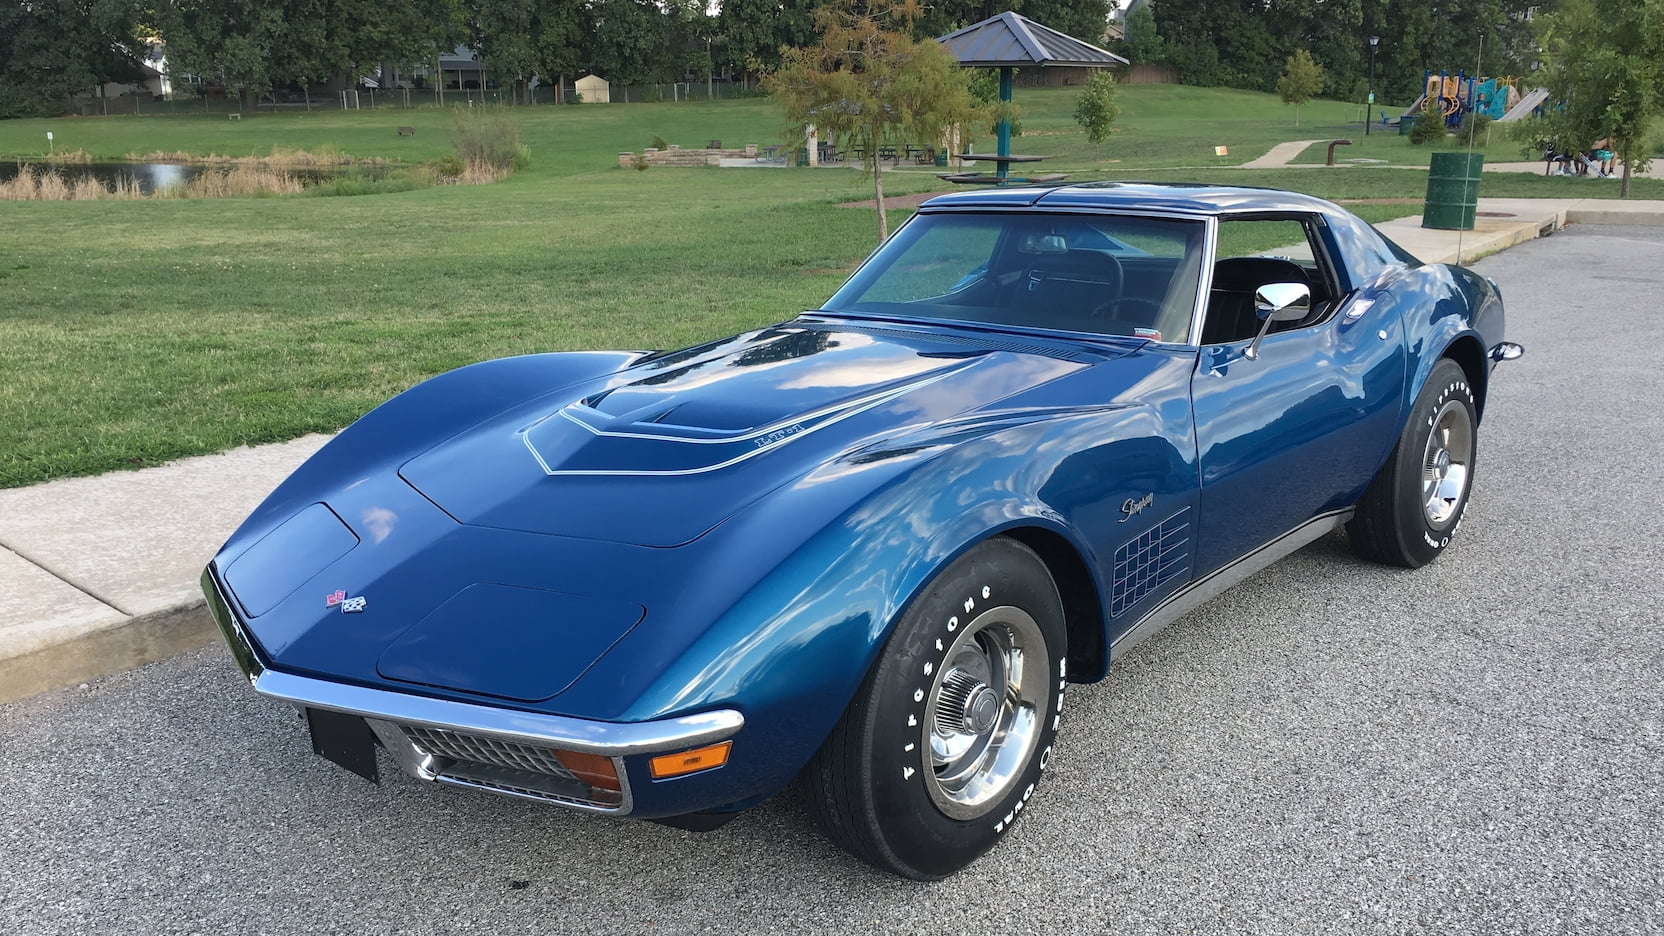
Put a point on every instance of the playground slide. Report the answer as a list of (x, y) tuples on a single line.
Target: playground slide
[(1532, 100), (1416, 107)]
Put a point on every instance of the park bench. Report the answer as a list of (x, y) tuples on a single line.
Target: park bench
[(407, 131)]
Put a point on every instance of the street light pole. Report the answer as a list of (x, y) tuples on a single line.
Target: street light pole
[(1369, 104)]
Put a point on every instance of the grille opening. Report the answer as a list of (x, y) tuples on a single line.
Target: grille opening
[(508, 767)]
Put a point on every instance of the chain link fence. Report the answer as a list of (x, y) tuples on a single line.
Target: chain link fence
[(228, 103)]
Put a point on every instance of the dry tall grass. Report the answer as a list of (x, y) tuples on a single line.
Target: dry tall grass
[(326, 158), (235, 182), (480, 173), (33, 184)]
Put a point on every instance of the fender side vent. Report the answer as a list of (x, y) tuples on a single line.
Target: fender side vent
[(1149, 561)]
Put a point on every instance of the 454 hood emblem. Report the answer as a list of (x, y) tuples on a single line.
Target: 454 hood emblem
[(348, 605)]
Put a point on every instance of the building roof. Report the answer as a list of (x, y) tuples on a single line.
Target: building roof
[(1013, 40)]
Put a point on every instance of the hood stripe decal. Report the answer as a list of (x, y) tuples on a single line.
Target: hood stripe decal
[(747, 446)]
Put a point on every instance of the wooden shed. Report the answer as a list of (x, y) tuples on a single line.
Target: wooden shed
[(594, 88)]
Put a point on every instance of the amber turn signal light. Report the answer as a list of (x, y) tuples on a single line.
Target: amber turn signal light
[(686, 762), (593, 769)]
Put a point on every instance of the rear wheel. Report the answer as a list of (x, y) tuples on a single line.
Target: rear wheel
[(1414, 506), (942, 746)]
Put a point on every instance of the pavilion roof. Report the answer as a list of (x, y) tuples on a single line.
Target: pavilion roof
[(1010, 39)]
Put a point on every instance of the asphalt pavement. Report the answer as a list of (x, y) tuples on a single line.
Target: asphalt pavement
[(1330, 748)]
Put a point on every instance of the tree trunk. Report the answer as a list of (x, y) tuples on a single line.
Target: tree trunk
[(1624, 191), (560, 88), (878, 195)]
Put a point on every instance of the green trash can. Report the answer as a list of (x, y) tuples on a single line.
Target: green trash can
[(1406, 124), (1452, 191)]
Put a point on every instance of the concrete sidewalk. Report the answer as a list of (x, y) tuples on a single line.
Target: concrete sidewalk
[(100, 574)]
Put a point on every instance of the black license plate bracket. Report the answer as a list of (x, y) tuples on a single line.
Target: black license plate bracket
[(345, 740)]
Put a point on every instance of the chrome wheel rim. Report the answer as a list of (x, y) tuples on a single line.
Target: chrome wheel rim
[(1447, 465), (986, 707)]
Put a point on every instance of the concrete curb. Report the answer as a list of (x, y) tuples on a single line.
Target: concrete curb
[(1614, 215), (122, 645)]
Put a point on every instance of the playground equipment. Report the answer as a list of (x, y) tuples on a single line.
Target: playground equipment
[(1453, 97)]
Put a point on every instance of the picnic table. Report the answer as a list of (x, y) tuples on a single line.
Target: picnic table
[(1003, 175)]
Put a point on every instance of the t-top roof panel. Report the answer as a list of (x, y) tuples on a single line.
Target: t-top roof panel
[(1011, 39)]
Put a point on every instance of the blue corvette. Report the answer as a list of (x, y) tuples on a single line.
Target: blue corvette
[(868, 548)]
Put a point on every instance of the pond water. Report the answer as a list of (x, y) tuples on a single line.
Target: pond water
[(152, 177)]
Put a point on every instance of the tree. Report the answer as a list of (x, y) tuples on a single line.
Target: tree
[(1604, 61), (753, 32), (562, 28), (869, 82), (1083, 19), (1302, 79), (627, 45), (51, 50), (1096, 108), (1142, 42), (507, 32)]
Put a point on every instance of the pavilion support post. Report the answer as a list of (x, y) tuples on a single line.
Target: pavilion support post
[(1005, 122)]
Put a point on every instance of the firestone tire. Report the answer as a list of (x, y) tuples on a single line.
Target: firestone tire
[(941, 748), (1414, 506)]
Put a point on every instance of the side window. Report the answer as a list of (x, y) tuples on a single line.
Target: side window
[(1255, 252)]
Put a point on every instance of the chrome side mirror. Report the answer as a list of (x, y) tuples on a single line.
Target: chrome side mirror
[(1278, 302)]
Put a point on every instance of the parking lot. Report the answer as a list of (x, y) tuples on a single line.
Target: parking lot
[(1332, 747)]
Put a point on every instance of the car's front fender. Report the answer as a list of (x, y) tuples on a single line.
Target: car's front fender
[(1452, 312), (414, 420), (794, 648)]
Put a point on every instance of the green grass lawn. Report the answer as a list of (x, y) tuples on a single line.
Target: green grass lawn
[(140, 331)]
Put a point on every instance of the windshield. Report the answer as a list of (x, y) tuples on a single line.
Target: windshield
[(1105, 274)]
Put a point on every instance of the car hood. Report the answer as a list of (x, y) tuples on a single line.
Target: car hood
[(660, 452)]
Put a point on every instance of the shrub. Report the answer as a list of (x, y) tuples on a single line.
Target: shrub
[(1429, 128), (486, 137), (450, 167), (1475, 127), (660, 144)]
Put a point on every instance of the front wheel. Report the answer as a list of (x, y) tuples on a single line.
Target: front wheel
[(1413, 507), (943, 744)]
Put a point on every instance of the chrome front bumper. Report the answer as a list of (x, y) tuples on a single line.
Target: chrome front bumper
[(499, 750)]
